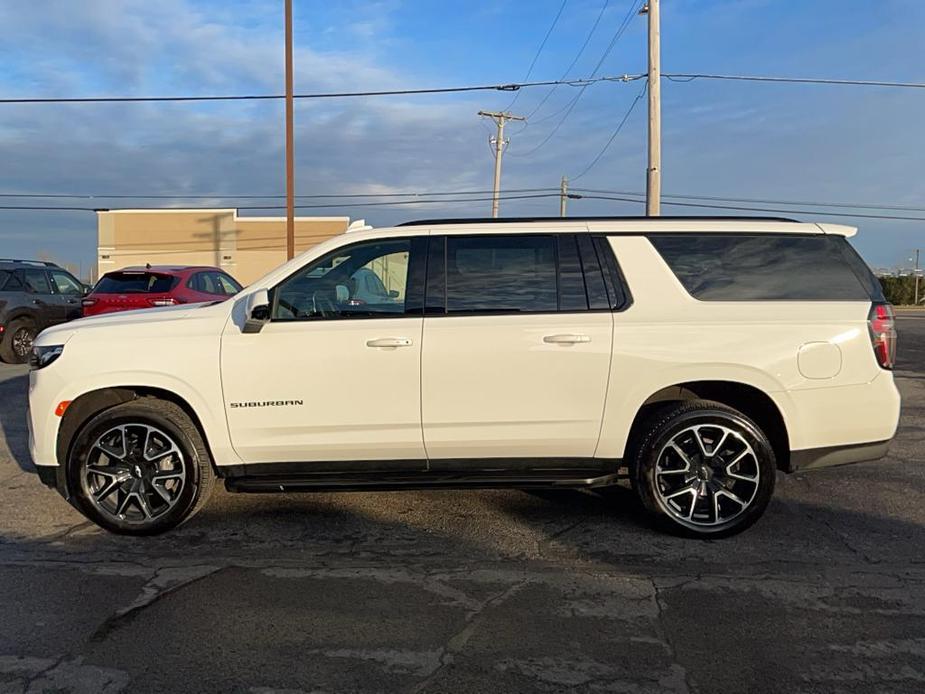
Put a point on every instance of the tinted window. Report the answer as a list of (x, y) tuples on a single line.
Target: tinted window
[(37, 281), (594, 276), (363, 280), (572, 295), (66, 284), (501, 273), (742, 267), (4, 276), (135, 283)]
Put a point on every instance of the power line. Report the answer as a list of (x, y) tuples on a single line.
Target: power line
[(510, 87), (820, 213), (426, 194), (202, 196), (806, 203), (690, 77), (539, 51), (282, 207), (578, 55), (613, 42), (615, 133)]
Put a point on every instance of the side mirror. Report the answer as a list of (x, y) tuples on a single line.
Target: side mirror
[(394, 293), (256, 311)]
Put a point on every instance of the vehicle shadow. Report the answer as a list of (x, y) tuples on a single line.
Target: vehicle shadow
[(14, 429)]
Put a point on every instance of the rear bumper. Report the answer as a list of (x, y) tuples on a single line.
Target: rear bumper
[(830, 456)]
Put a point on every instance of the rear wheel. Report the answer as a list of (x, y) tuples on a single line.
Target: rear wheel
[(140, 468), (17, 343), (704, 469)]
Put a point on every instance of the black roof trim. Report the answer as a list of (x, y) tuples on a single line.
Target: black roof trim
[(31, 263), (670, 218)]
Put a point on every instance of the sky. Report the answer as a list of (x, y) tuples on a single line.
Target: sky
[(727, 139)]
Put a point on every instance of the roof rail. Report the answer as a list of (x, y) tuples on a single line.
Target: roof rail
[(36, 263), (670, 218)]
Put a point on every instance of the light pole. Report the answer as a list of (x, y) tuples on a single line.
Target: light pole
[(290, 155)]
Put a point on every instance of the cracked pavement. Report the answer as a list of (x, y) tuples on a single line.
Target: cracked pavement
[(448, 591)]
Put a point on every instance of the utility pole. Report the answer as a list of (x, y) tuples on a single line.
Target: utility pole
[(499, 142), (917, 273), (654, 171), (563, 196), (290, 155)]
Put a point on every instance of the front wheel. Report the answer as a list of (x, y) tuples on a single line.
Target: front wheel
[(140, 468), (704, 469)]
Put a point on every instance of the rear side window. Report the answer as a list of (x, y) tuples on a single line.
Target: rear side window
[(764, 267), (509, 274), (135, 283), (4, 277), (37, 281)]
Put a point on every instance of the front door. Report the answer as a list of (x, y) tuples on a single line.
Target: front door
[(516, 362), (68, 293), (335, 375)]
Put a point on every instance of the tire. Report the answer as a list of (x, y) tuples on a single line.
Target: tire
[(703, 469), (140, 468), (17, 342)]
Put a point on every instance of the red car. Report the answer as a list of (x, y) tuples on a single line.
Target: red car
[(158, 285)]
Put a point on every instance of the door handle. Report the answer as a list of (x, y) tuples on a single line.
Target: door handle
[(389, 342), (566, 339)]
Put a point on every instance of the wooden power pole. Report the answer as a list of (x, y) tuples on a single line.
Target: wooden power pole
[(290, 154), (499, 143), (654, 170)]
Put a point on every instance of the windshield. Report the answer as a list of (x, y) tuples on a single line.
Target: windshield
[(135, 283)]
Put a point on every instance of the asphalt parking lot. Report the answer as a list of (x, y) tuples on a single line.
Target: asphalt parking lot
[(494, 591)]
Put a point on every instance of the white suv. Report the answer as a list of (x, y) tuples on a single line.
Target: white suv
[(696, 357)]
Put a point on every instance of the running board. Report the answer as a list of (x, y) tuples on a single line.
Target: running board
[(392, 481)]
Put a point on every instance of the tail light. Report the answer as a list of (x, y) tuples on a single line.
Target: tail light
[(166, 301), (882, 324), (86, 303)]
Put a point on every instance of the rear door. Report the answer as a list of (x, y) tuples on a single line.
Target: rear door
[(517, 347), (48, 309)]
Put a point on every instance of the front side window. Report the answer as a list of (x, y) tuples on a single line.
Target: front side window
[(227, 284), (503, 274), (363, 280), (65, 284)]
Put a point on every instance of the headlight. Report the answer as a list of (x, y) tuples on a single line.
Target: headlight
[(43, 356)]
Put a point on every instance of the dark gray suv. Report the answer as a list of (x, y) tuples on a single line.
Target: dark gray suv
[(33, 295)]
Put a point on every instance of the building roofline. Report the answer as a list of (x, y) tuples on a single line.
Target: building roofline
[(227, 210)]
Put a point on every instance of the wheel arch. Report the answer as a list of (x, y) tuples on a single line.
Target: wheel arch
[(92, 403), (751, 401)]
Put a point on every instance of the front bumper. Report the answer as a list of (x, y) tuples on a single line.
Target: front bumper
[(53, 476)]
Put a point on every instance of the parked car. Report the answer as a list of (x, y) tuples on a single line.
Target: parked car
[(158, 285), (33, 295), (694, 357)]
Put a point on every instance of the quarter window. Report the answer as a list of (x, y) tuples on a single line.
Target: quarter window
[(505, 274), (363, 280), (756, 267)]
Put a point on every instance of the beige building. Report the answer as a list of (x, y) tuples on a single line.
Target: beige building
[(245, 247)]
